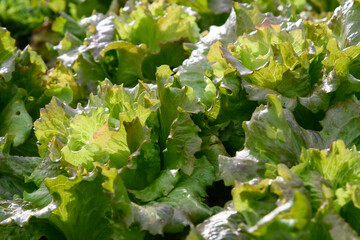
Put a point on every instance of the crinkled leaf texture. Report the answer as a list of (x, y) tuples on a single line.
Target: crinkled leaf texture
[(145, 148), (267, 105)]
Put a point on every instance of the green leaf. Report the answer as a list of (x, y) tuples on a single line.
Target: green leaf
[(183, 142), (223, 225), (212, 148), (275, 58), (45, 169), (338, 165), (160, 217), (282, 226), (152, 27), (214, 56), (177, 24), (90, 139), (16, 120), (136, 134), (127, 62), (344, 23), (243, 167), (181, 206), (57, 5), (7, 55), (96, 132), (83, 126), (40, 198), (273, 135), (183, 100), (248, 17), (122, 211), (209, 12), (14, 170), (350, 211), (264, 218), (54, 121), (62, 85), (337, 228), (192, 71), (65, 24), (335, 53), (35, 230), (234, 109), (20, 211), (83, 209), (171, 53), (342, 121), (131, 103), (21, 17), (85, 8), (168, 110), (30, 75), (190, 190), (253, 201), (143, 167), (341, 69), (160, 187)]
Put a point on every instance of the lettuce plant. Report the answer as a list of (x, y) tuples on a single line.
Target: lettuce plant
[(147, 121)]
